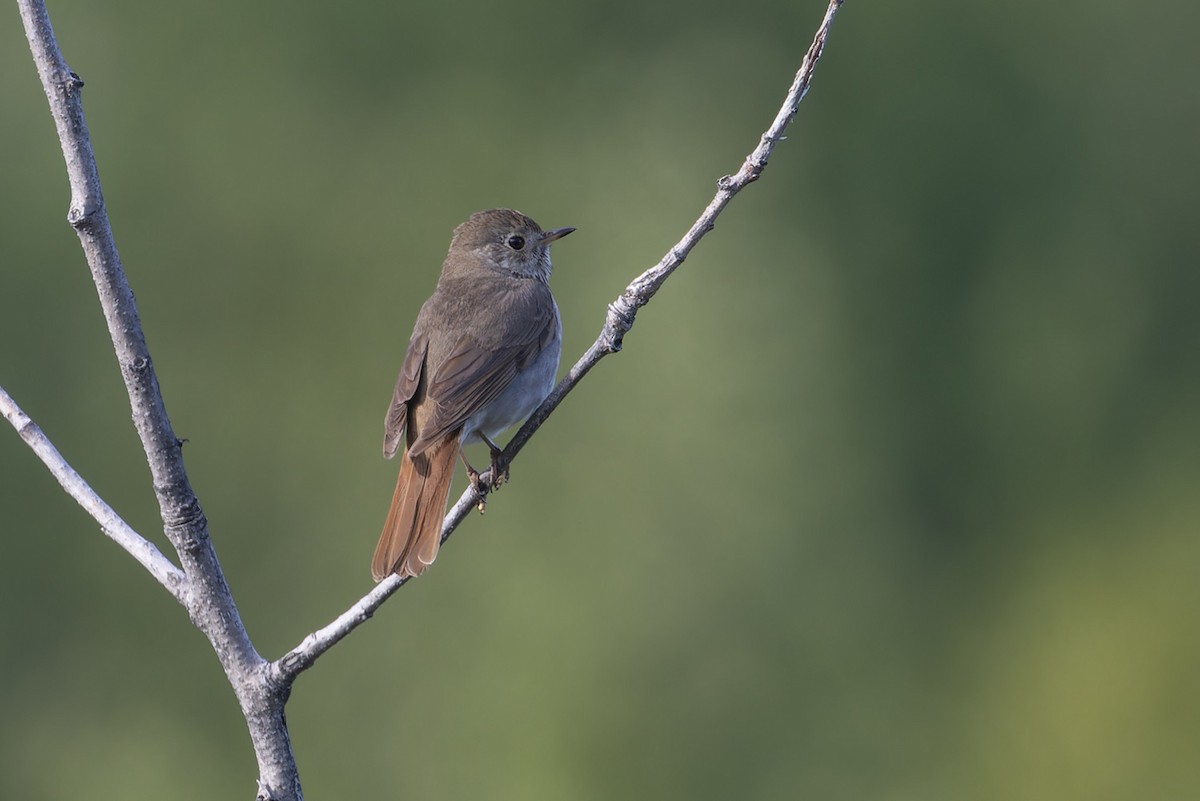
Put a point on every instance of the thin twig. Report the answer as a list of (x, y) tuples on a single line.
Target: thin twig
[(620, 318), (110, 522)]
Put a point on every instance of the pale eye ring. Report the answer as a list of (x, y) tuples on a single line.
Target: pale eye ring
[(516, 242)]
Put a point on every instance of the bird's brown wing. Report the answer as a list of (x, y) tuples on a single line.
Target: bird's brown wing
[(406, 386), (476, 367)]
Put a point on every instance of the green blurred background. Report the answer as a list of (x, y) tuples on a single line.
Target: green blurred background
[(894, 492)]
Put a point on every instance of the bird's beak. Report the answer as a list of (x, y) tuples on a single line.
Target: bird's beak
[(557, 233)]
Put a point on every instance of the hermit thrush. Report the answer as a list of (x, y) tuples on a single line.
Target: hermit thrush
[(482, 356)]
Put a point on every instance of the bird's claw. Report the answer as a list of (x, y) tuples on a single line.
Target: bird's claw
[(496, 477), (480, 488)]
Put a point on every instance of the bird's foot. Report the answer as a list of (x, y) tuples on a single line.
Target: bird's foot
[(498, 476), (479, 486)]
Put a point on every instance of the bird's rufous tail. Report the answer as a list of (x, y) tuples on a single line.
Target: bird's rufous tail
[(413, 530)]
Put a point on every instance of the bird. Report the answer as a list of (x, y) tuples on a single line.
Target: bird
[(483, 355)]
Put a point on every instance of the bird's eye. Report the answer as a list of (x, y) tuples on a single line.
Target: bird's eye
[(516, 242)]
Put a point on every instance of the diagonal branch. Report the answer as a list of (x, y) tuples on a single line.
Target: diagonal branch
[(113, 526), (620, 318)]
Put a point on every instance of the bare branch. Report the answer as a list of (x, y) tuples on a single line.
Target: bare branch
[(302, 657), (184, 521), (620, 318), (110, 522), (206, 593), (87, 215)]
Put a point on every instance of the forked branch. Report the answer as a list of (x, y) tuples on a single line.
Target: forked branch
[(262, 688)]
